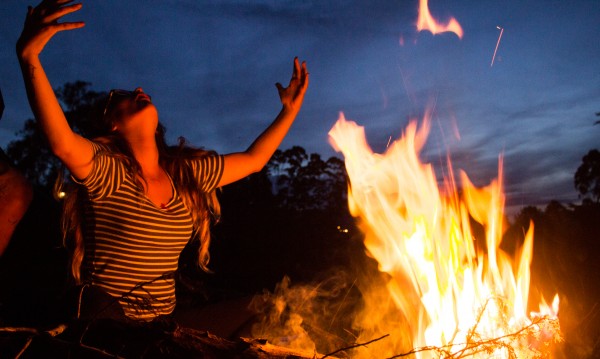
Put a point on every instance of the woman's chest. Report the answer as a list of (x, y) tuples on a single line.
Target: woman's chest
[(130, 211)]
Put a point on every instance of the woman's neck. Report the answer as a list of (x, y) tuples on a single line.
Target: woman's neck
[(146, 154)]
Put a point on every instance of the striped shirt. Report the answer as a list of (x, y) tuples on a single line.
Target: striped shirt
[(132, 246)]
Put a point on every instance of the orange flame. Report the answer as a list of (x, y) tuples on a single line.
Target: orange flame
[(450, 289), (427, 22)]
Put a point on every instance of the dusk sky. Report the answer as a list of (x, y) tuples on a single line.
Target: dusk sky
[(211, 67)]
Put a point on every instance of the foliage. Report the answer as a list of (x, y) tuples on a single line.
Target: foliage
[(587, 177), (306, 182)]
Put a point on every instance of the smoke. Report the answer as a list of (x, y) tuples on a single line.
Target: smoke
[(347, 307), (314, 317)]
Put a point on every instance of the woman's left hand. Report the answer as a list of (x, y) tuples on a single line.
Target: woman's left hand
[(293, 95), (240, 164)]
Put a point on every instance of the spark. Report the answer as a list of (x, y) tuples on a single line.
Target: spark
[(497, 44), (389, 140)]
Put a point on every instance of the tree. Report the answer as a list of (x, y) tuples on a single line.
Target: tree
[(587, 177), (306, 182), (31, 154)]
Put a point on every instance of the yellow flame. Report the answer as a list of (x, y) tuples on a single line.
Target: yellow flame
[(447, 284), (427, 22)]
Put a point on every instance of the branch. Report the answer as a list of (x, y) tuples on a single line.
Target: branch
[(472, 348), (29, 340), (356, 345), (19, 330), (51, 332)]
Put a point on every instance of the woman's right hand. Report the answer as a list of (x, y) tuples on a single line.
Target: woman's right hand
[(42, 23)]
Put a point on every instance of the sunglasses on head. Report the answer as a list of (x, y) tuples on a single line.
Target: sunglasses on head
[(117, 94)]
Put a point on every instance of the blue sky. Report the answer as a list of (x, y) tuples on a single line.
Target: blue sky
[(211, 67)]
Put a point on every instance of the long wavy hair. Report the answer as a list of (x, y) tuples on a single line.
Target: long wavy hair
[(204, 207)]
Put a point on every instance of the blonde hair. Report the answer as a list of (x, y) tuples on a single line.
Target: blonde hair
[(204, 207)]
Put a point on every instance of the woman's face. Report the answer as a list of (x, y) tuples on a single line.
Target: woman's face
[(131, 111)]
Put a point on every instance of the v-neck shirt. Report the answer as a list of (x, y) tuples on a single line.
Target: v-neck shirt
[(132, 246)]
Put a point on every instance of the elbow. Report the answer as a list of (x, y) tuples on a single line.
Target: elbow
[(67, 157), (64, 145), (261, 162), (255, 161), (256, 167), (61, 152)]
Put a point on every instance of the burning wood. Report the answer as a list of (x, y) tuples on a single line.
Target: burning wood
[(524, 343), (111, 339), (531, 341)]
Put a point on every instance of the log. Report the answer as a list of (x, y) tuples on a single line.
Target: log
[(104, 338)]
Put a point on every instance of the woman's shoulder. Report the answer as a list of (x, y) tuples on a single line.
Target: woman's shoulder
[(103, 145)]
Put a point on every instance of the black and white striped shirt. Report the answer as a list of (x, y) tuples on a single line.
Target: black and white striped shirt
[(132, 246)]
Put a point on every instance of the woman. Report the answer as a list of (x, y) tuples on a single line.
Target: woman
[(139, 201)]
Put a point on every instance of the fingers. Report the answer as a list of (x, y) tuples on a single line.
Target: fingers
[(299, 80), (296, 71), (49, 11), (304, 76), (299, 72), (60, 12), (55, 2), (68, 26), (41, 24), (280, 88)]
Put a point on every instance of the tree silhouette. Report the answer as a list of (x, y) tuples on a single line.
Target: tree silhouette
[(587, 177), (306, 182)]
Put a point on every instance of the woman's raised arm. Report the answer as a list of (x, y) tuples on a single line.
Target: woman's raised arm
[(40, 26), (241, 164)]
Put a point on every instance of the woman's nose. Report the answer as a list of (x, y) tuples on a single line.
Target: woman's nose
[(138, 90)]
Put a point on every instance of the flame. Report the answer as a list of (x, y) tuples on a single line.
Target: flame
[(446, 289), (427, 22)]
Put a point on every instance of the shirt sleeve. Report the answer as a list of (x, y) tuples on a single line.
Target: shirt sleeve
[(208, 171), (106, 175)]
